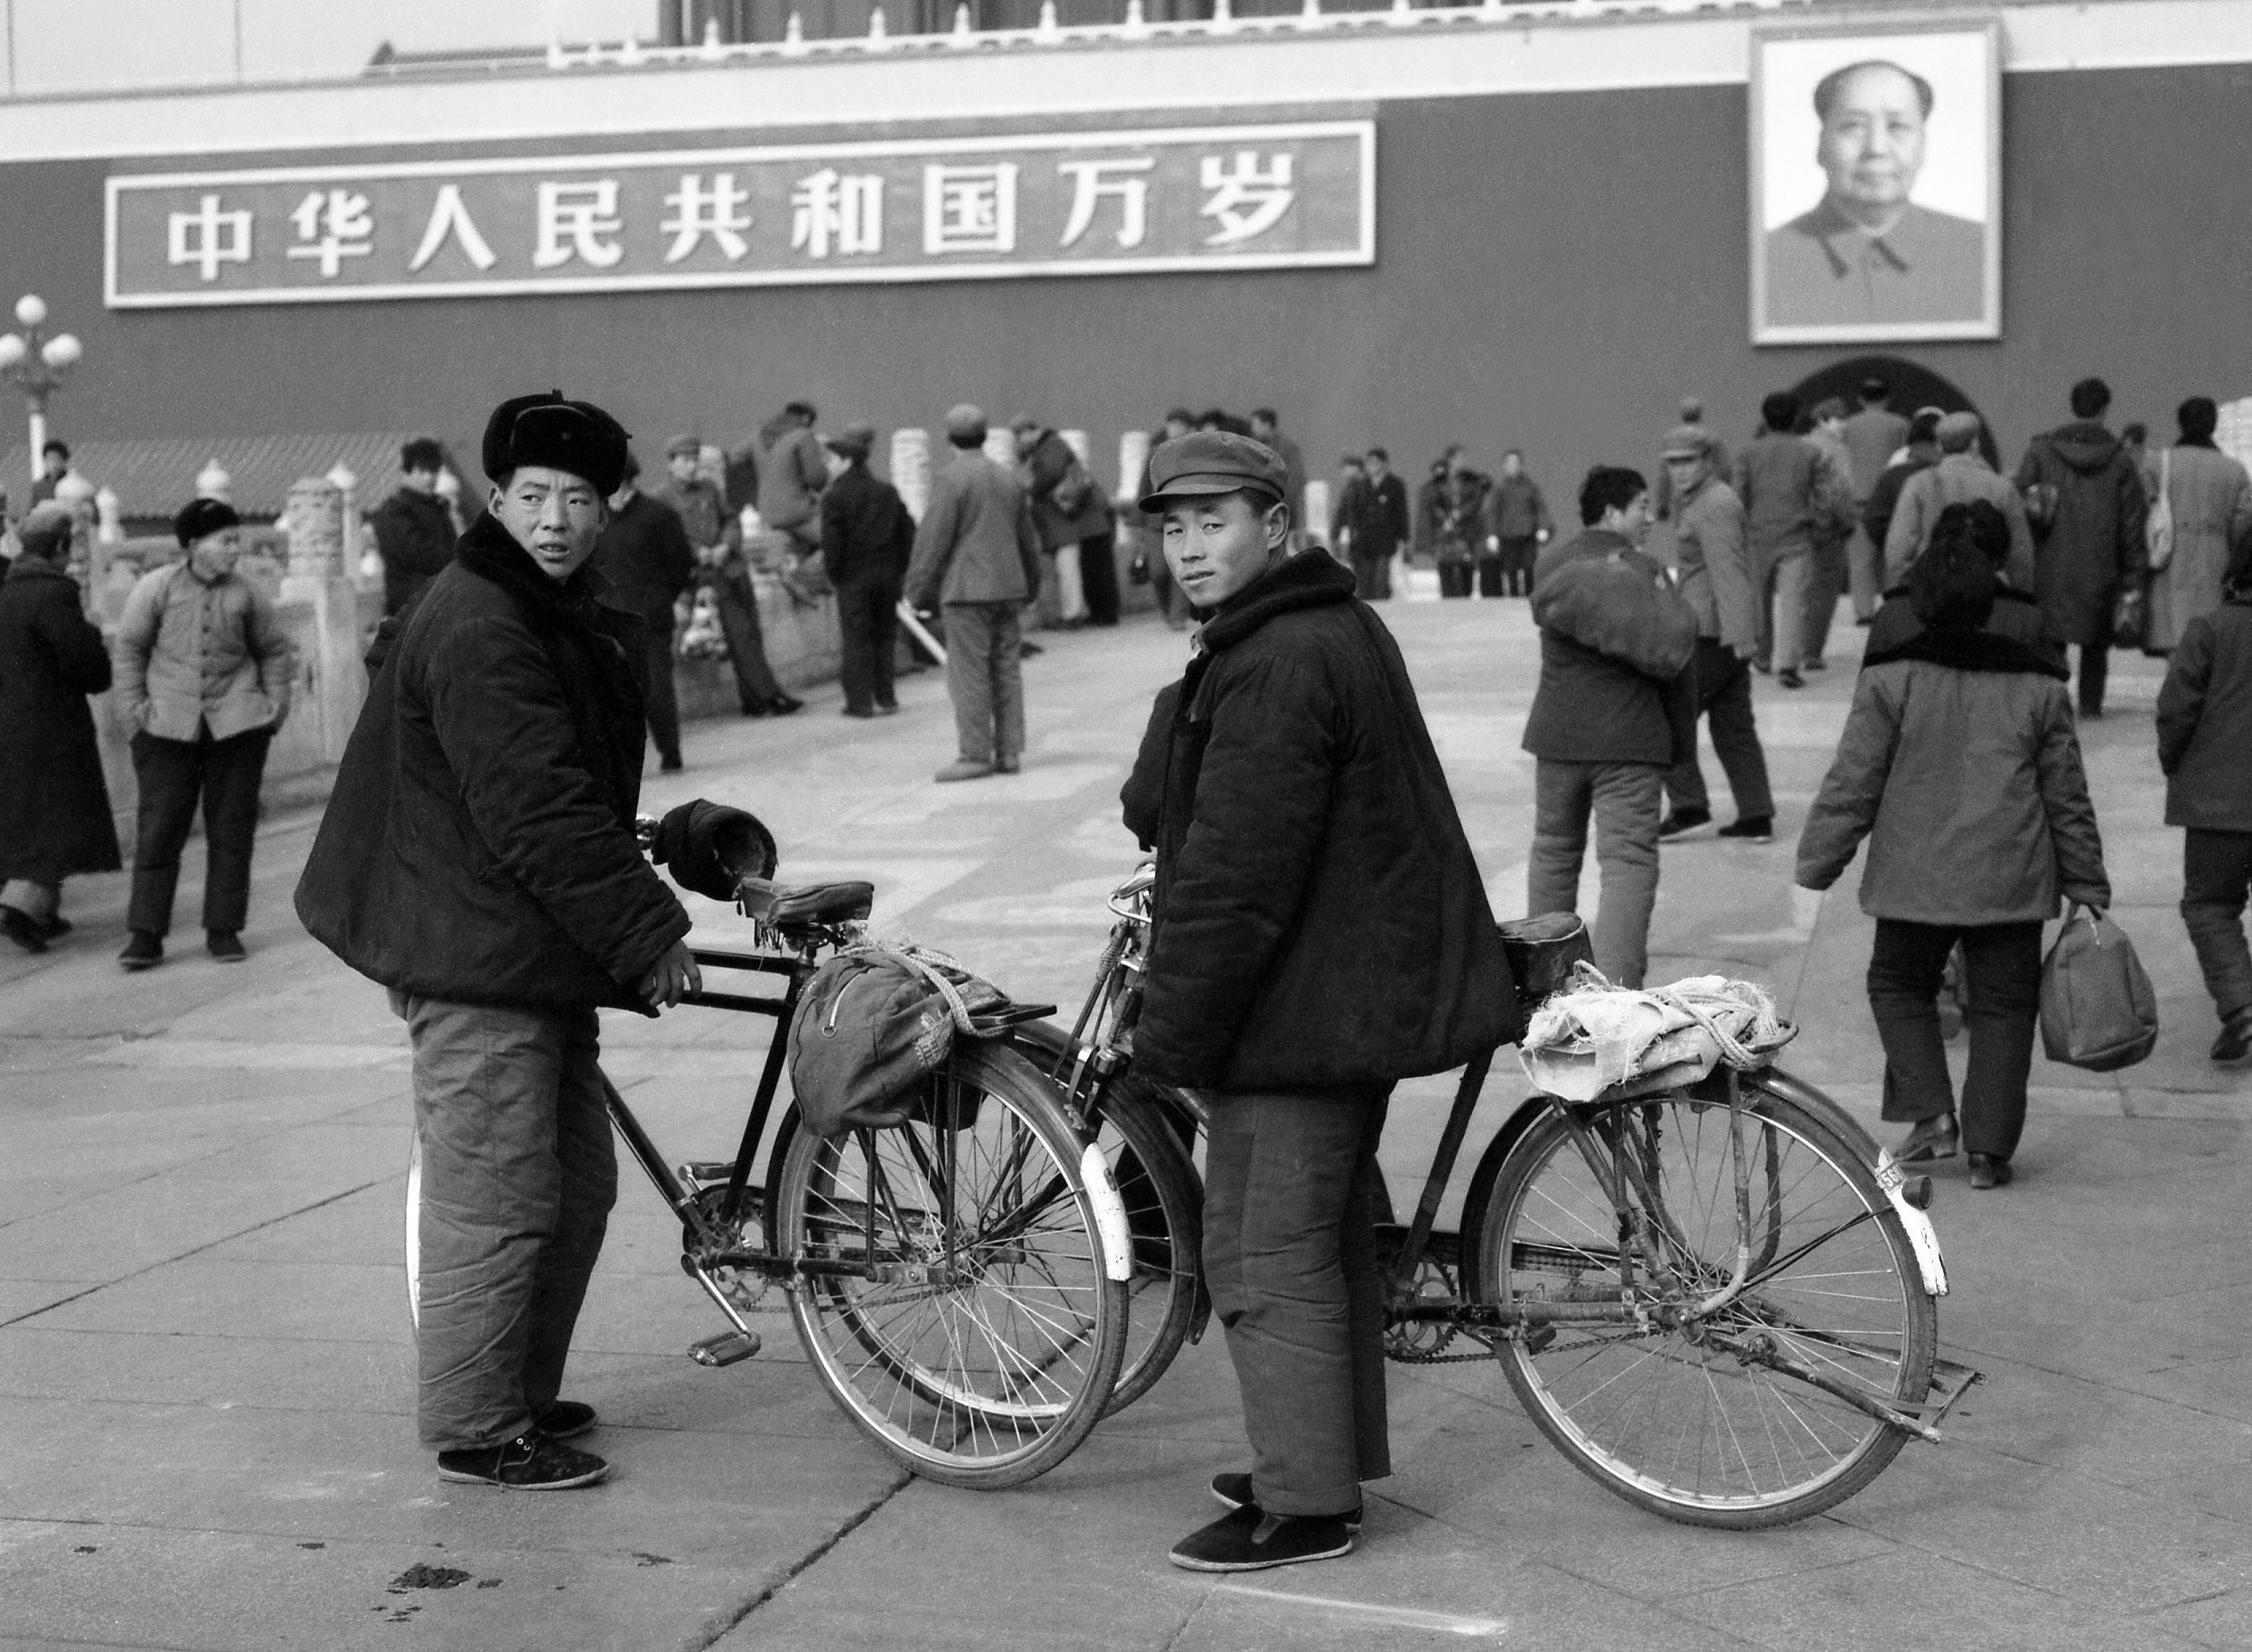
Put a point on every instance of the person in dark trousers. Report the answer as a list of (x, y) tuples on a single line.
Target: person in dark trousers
[(202, 674), (2090, 546), (1072, 514), (1960, 764), (2205, 749), (54, 808), (1785, 488), (1517, 525), (645, 555), (1320, 932), (1377, 529), (1716, 581), (867, 539), (1457, 523), (414, 530), (723, 567), (1919, 452), (1873, 433), (478, 858), (1615, 709), (976, 558)]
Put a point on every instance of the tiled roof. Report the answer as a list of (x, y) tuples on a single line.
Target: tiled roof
[(154, 478)]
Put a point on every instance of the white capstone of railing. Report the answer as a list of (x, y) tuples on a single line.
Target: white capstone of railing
[(556, 56), (1136, 25), (212, 481), (714, 47), (1402, 15), (109, 512), (1049, 30), (1133, 459), (629, 51), (793, 36), (879, 30), (963, 35)]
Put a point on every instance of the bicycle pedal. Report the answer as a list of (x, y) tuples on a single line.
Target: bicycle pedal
[(704, 1173), (725, 1348)]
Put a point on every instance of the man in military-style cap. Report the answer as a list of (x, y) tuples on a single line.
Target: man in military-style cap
[(1320, 932), (478, 858)]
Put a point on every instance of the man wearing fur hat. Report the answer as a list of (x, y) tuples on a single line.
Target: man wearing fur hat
[(478, 858)]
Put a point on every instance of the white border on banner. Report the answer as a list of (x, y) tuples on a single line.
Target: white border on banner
[(1361, 255)]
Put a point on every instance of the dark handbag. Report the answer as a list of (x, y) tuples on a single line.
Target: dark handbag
[(2097, 1010), (2130, 617)]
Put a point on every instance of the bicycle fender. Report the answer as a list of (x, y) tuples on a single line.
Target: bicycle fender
[(1110, 1214), (1921, 1234)]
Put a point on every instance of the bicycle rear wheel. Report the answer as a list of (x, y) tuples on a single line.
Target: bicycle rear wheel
[(973, 1330), (1675, 1421)]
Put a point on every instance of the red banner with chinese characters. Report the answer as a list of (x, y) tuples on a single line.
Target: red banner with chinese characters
[(1236, 197)]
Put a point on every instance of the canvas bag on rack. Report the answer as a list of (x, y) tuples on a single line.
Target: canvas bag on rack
[(874, 1024)]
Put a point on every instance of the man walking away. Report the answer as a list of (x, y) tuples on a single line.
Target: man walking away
[(414, 530), (645, 555), (2205, 747), (1072, 514), (1780, 481), (1320, 932), (2092, 546), (1266, 428), (1873, 434), (718, 537), (977, 558), (1377, 529), (1715, 567), (1961, 477), (1614, 711), (1516, 525), (478, 859), (867, 537), (1827, 574), (1918, 452), (792, 473), (1458, 525)]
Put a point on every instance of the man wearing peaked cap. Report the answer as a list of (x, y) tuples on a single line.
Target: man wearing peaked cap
[(478, 858), (1321, 931)]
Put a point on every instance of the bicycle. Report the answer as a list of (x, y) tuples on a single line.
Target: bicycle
[(1715, 1355), (959, 1281)]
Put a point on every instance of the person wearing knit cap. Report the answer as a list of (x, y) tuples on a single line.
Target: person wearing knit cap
[(55, 819), (202, 674), (867, 537), (478, 858), (977, 560)]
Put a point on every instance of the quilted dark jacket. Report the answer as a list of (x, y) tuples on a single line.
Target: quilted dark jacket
[(1320, 920), (478, 846)]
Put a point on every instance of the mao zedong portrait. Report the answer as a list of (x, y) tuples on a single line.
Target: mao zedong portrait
[(1867, 254)]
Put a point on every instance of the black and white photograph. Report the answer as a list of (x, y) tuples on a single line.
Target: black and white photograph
[(1876, 174), (1091, 826)]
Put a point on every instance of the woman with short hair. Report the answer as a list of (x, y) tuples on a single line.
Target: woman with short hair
[(203, 675), (2209, 496), (55, 820), (1961, 766)]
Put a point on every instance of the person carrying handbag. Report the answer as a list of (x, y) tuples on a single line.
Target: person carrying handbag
[(1961, 766)]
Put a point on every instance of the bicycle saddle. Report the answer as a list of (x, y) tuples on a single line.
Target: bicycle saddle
[(816, 902)]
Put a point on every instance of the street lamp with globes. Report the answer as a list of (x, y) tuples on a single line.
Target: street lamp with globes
[(37, 365)]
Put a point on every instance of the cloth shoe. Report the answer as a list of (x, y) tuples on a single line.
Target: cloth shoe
[(1931, 1139), (1750, 829), (1681, 822), (57, 926), (887, 708), (1233, 1491), (670, 766), (1006, 763), (145, 950), (225, 945), (1790, 680), (2234, 1042), (1988, 1171), (1815, 665), (782, 705), (530, 1462), (963, 768), (1252, 1540), (862, 711), (565, 1419), (26, 931)]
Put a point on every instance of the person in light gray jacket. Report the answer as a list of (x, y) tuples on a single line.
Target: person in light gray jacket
[(977, 556), (203, 675)]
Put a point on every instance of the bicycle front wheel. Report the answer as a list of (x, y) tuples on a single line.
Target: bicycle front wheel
[(1164, 1199), (957, 1305), (1673, 1420)]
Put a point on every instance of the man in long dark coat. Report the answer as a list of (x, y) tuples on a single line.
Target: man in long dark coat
[(55, 819), (867, 539), (2091, 499)]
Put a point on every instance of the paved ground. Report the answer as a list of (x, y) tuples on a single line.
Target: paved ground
[(204, 1348)]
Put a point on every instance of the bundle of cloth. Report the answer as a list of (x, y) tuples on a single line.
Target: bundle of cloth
[(1594, 1036)]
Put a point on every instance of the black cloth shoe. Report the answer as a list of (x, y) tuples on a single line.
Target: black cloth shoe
[(145, 950), (565, 1419), (1233, 1491), (1790, 680), (57, 926), (530, 1462), (1682, 821), (782, 705), (670, 765), (1931, 1139), (860, 712), (225, 945), (1987, 1171), (755, 709), (1751, 829), (1251, 1540), (26, 931), (887, 708), (1815, 665), (2234, 1042)]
